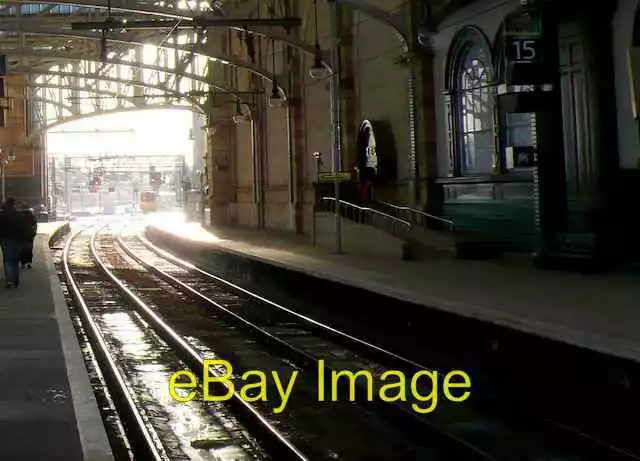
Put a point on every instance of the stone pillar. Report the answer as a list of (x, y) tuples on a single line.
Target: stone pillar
[(350, 105), (13, 131), (220, 148), (259, 159), (428, 149), (221, 133), (430, 193), (297, 124), (24, 174), (298, 142)]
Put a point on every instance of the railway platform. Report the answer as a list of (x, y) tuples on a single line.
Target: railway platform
[(47, 408), (595, 312)]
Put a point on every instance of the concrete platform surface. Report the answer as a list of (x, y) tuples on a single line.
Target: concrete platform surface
[(47, 407), (599, 312)]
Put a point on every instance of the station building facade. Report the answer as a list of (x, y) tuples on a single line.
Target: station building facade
[(261, 168), (537, 129), (23, 165), (516, 120)]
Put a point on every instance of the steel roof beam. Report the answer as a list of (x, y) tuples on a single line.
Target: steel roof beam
[(127, 6), (77, 75), (130, 6), (181, 24), (200, 49), (100, 93), (62, 120), (113, 61)]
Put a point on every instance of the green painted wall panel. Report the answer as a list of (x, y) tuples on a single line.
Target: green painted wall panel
[(500, 221)]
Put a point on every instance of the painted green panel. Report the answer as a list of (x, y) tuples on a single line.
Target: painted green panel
[(511, 223)]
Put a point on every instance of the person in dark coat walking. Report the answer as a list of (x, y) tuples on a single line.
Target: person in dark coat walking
[(12, 232), (30, 230)]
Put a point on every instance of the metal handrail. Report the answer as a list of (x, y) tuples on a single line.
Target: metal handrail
[(450, 223), (368, 210)]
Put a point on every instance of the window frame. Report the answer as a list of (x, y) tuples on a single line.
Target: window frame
[(468, 39)]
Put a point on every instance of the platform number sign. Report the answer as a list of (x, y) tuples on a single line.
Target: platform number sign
[(524, 50)]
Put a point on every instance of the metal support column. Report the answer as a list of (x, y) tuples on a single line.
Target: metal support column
[(67, 188), (54, 190), (336, 158), (291, 170)]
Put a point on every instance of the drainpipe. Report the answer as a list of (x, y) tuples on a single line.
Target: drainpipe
[(292, 170), (263, 140), (255, 167)]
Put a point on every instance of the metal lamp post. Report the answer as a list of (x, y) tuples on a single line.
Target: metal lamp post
[(5, 157), (336, 164), (318, 158), (318, 71)]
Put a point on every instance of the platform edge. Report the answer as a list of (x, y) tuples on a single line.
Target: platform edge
[(91, 431), (571, 336)]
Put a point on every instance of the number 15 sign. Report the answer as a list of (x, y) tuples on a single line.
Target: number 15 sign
[(523, 49)]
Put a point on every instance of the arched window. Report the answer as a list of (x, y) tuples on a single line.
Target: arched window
[(471, 106)]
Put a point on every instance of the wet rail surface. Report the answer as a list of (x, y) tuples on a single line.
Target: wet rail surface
[(144, 363), (114, 428), (323, 430), (336, 431), (484, 434)]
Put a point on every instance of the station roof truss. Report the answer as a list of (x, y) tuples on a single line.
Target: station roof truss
[(162, 59)]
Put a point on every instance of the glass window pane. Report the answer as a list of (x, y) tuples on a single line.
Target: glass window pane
[(476, 113), (479, 152), (520, 129)]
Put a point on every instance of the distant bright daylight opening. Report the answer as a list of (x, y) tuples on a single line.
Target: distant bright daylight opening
[(127, 164)]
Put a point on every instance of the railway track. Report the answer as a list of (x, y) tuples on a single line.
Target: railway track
[(191, 314), (332, 430), (115, 295), (136, 356)]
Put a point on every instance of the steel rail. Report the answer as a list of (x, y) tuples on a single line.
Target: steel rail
[(143, 442), (276, 443), (326, 329), (402, 414), (380, 352), (270, 339)]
